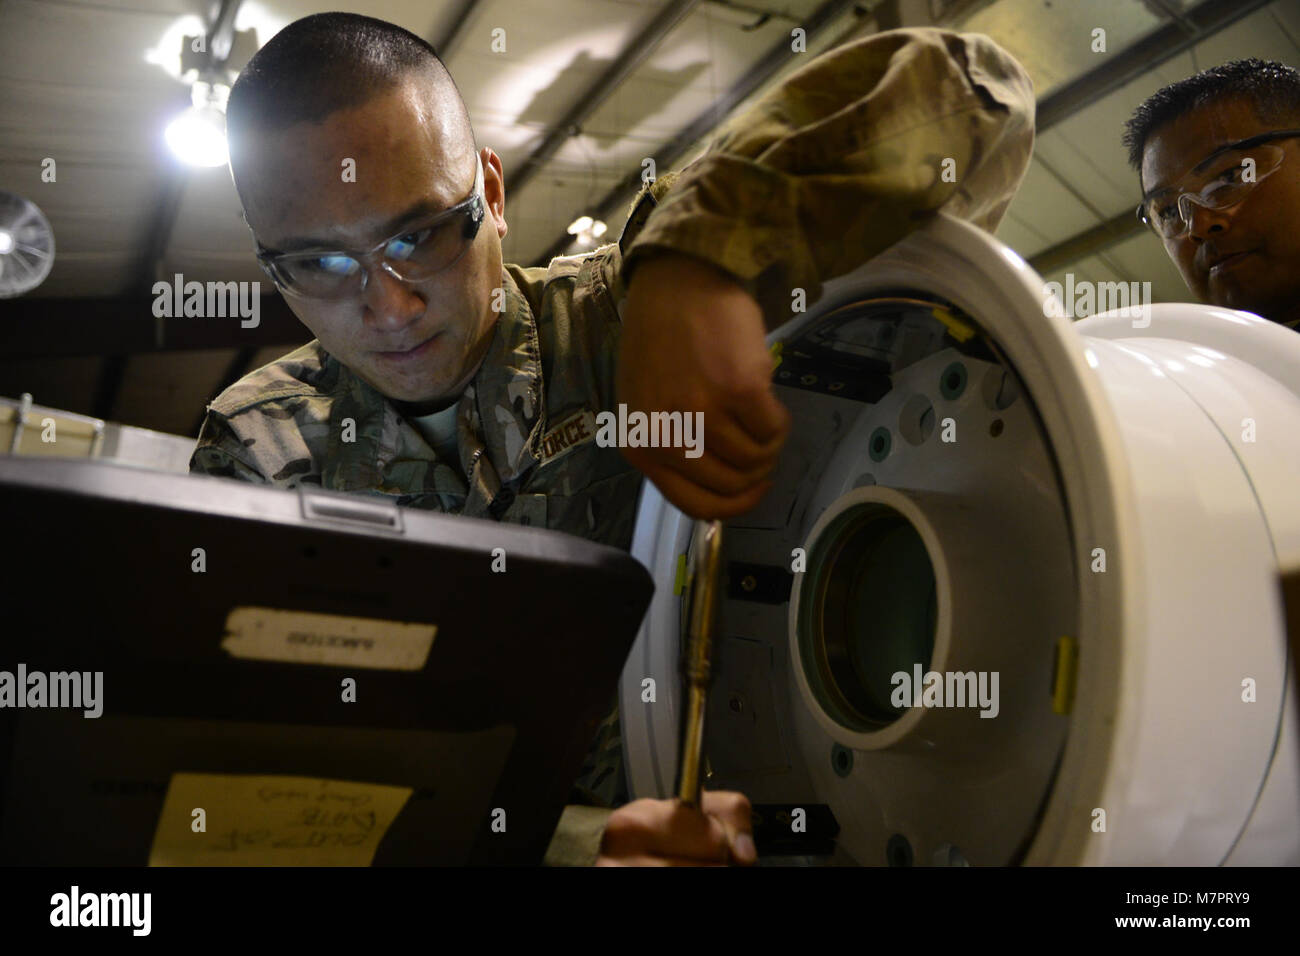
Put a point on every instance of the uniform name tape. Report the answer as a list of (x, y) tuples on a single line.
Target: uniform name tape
[(577, 429)]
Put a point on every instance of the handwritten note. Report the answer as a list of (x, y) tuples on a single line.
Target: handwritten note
[(257, 820)]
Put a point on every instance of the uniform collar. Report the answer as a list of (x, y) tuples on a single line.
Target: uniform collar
[(498, 418)]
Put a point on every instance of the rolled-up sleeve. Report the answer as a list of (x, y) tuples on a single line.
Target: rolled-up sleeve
[(846, 157)]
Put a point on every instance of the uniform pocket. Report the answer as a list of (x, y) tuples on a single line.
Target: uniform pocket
[(528, 510), (603, 511)]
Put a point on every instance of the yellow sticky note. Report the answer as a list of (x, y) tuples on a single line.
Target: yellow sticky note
[(259, 820)]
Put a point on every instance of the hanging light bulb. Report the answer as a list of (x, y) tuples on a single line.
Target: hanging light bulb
[(579, 225), (198, 136), (587, 230)]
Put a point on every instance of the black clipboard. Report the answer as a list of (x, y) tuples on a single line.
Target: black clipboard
[(101, 579)]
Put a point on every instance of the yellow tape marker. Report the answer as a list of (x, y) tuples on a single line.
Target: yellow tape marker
[(679, 582), (776, 350), (957, 328), (1067, 669)]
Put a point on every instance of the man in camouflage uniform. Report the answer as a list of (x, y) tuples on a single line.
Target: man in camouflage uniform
[(473, 389)]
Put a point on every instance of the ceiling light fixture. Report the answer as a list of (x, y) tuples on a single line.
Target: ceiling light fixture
[(587, 230), (198, 136)]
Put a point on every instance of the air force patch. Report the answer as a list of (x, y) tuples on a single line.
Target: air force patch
[(571, 431)]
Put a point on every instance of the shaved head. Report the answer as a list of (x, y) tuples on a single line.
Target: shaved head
[(330, 62)]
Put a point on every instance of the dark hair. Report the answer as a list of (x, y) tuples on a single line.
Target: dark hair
[(327, 62), (1273, 88)]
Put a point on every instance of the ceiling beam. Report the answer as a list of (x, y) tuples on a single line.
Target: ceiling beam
[(1176, 35), (126, 326), (451, 38), (672, 151), (239, 366), (632, 56), (108, 383), (1087, 243), (167, 207)]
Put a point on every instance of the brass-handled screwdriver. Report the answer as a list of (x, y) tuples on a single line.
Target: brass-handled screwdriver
[(697, 660)]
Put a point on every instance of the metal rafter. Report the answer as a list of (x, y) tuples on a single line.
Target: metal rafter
[(666, 155), (126, 326), (451, 38), (1087, 243), (623, 65), (239, 366), (1166, 41)]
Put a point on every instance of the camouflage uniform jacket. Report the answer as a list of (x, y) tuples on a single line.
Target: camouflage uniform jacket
[(834, 165)]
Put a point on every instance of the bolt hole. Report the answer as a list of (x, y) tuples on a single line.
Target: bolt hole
[(995, 427), (878, 445), (841, 760), (948, 855), (898, 852), (953, 381), (1000, 390)]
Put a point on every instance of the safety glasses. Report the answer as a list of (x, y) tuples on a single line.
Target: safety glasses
[(418, 252)]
